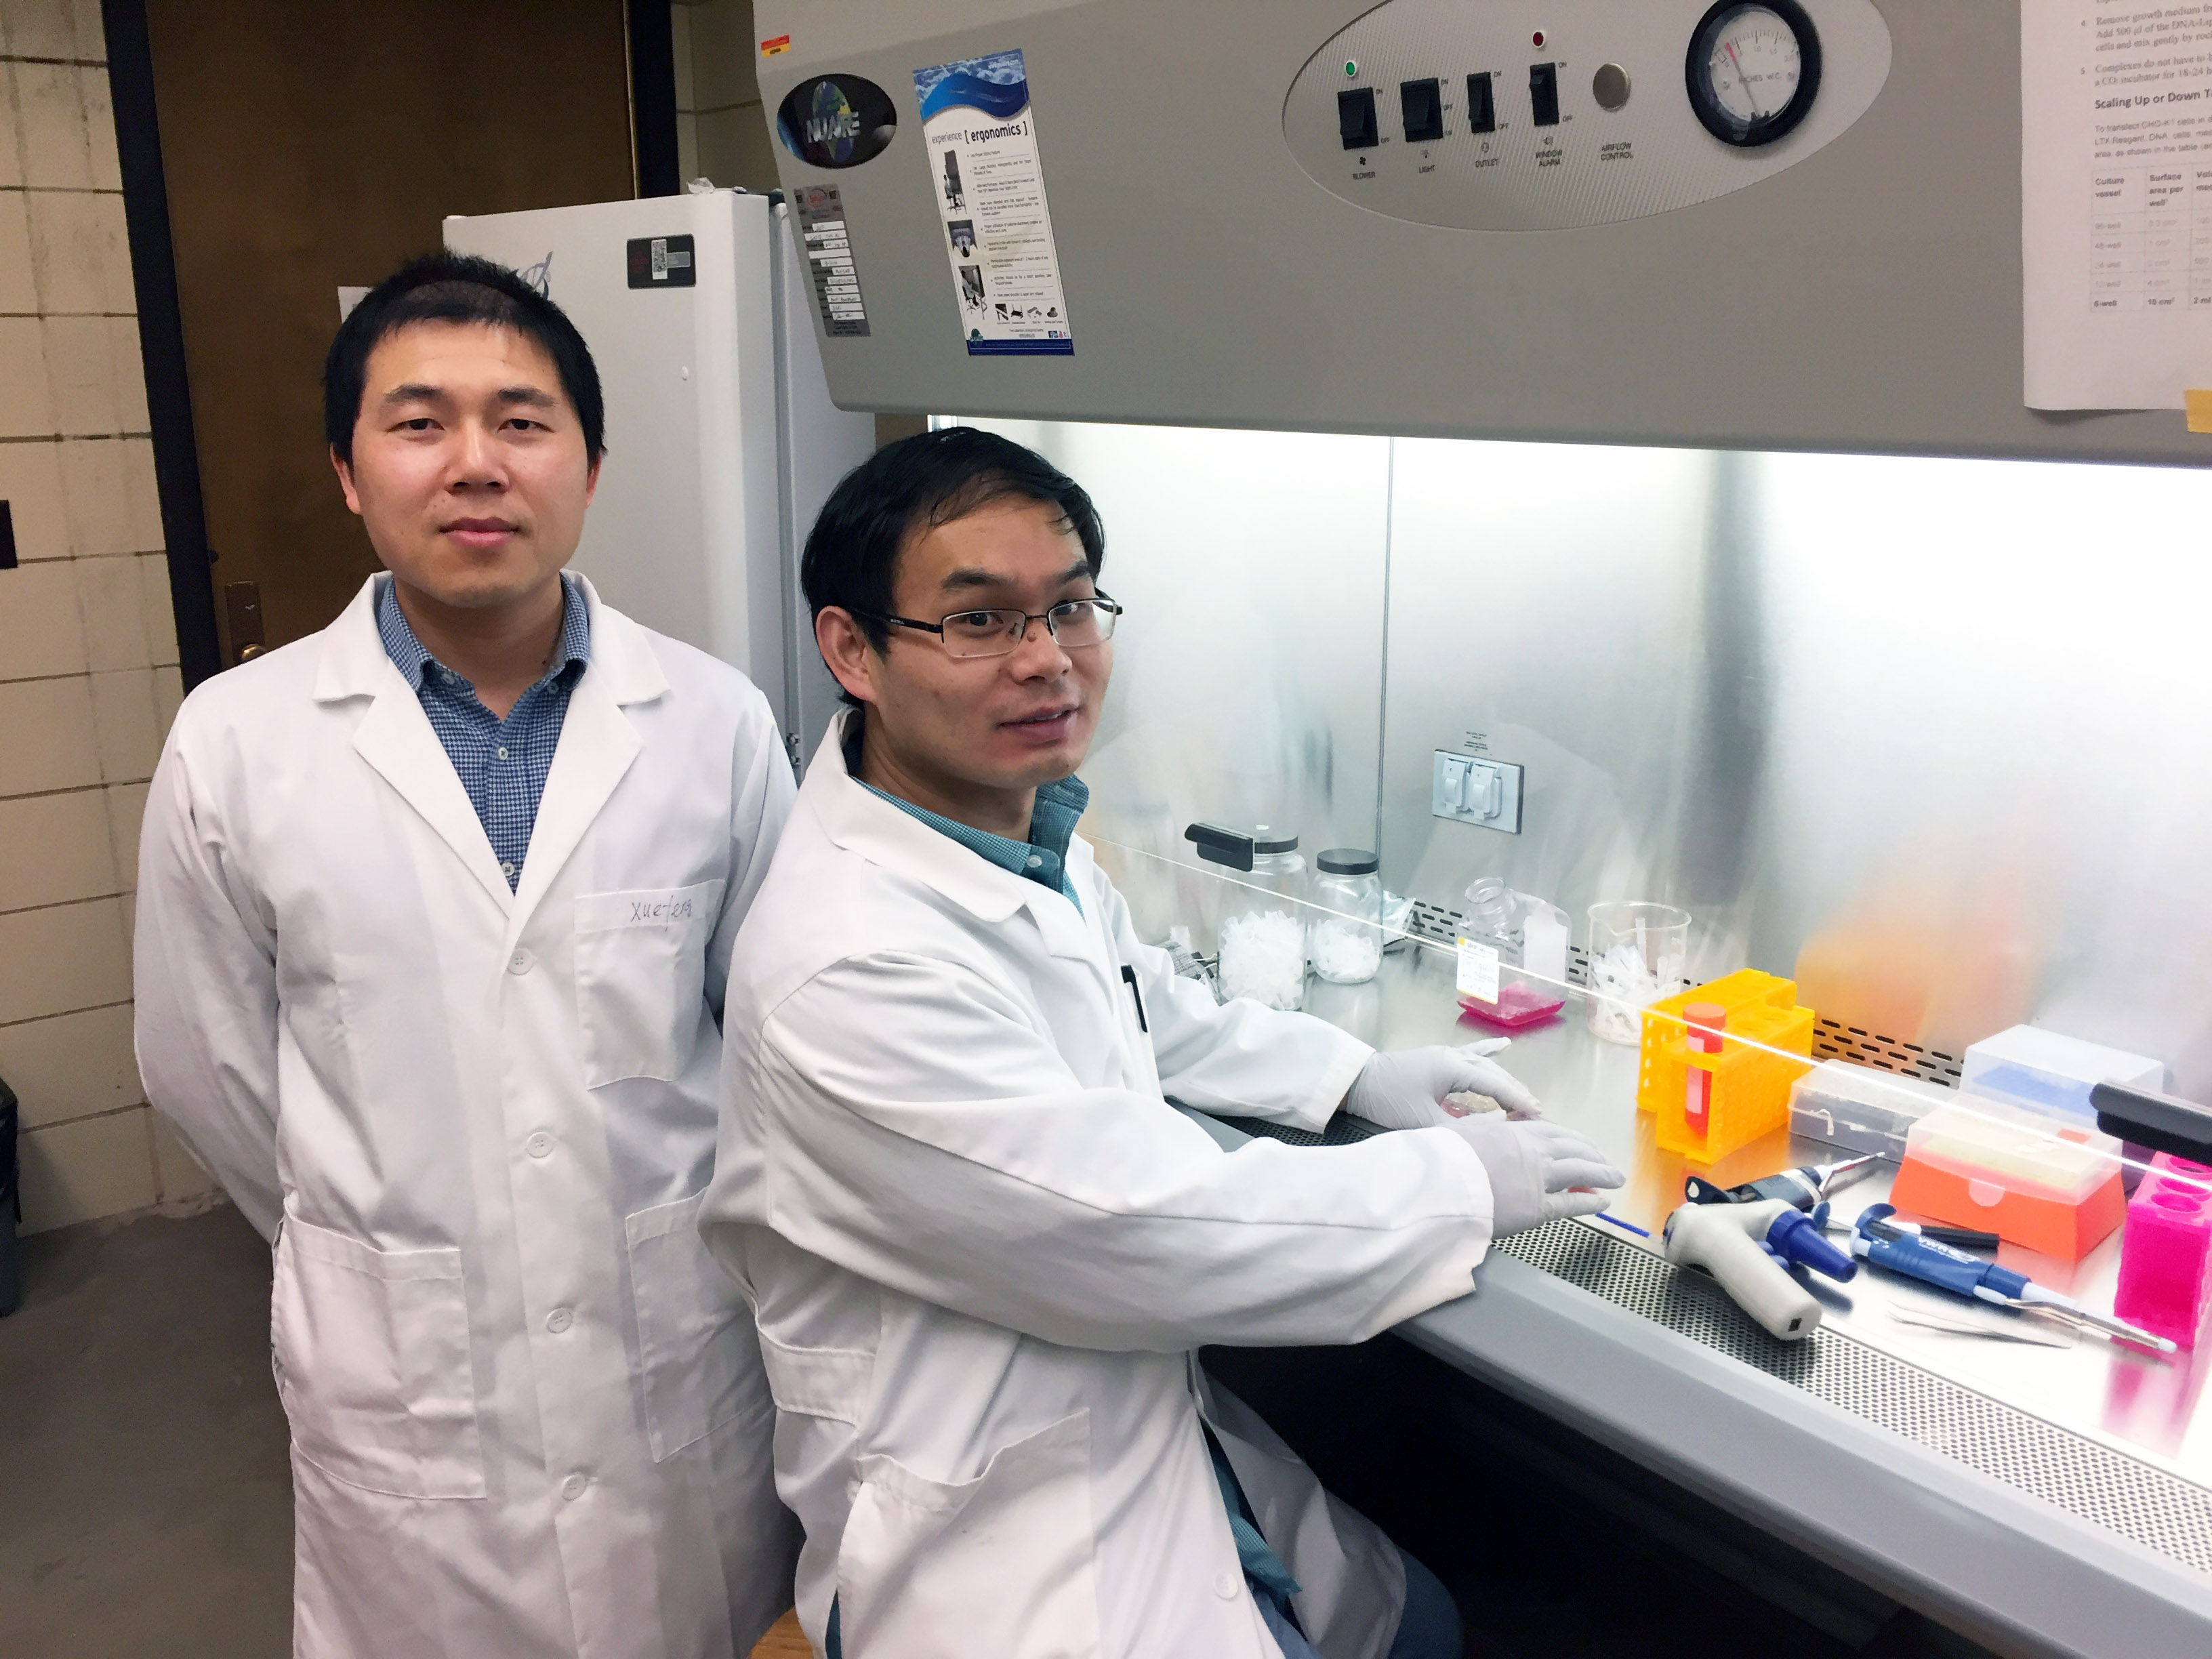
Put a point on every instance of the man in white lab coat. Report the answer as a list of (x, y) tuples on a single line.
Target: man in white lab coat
[(981, 1247), (435, 917)]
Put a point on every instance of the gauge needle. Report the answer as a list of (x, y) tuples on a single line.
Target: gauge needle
[(1744, 81)]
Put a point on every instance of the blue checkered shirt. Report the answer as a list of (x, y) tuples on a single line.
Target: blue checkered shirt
[(503, 763)]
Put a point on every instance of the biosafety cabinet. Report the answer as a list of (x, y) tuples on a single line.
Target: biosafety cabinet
[(1798, 225), (1729, 458), (1834, 711)]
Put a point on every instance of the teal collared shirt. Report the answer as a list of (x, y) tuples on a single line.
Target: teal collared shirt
[(1043, 857)]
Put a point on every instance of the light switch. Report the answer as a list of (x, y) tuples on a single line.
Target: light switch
[(1472, 789)]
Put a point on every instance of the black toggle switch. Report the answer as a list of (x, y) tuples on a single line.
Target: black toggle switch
[(1355, 118), (1482, 108), (1544, 94), (1421, 103)]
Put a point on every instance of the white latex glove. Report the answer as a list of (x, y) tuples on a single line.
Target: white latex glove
[(1534, 1169), (1405, 1088)]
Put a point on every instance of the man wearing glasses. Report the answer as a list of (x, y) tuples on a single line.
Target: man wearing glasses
[(982, 1247)]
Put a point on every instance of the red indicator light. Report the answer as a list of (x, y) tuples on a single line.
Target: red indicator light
[(1537, 39)]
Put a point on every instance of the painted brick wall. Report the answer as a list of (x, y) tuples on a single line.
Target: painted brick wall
[(88, 679)]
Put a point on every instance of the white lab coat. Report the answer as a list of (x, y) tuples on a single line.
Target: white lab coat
[(983, 1250), (528, 1410)]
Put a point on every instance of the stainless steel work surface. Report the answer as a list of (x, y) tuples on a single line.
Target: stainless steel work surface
[(2138, 1402), (2040, 1499)]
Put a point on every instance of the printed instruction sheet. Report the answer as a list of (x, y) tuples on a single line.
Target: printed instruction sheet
[(2115, 200), (981, 138)]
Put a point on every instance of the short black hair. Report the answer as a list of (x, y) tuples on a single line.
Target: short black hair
[(456, 287), (927, 480)]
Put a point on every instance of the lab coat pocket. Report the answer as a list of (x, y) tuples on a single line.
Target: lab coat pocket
[(698, 1359), (641, 978), (372, 1360), (1000, 1564), (831, 1383)]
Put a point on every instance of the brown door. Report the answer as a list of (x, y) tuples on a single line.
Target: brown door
[(308, 146)]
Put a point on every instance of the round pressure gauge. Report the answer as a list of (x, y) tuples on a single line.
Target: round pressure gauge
[(1753, 69)]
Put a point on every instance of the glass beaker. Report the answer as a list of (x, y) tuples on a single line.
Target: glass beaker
[(1639, 953), (1346, 939), (1263, 945)]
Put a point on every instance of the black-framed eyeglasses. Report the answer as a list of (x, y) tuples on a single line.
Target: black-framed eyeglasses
[(1074, 623)]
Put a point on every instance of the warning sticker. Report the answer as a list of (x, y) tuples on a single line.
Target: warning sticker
[(981, 138), (829, 258)]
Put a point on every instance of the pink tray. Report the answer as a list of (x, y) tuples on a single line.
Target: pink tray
[(1518, 1005)]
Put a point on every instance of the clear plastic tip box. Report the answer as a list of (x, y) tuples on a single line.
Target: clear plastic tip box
[(1862, 1110), (2050, 1073)]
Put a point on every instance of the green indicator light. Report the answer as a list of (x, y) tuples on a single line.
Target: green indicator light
[(1351, 66)]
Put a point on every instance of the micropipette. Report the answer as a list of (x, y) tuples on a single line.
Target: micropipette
[(1899, 1247), (1750, 1248), (1800, 1188)]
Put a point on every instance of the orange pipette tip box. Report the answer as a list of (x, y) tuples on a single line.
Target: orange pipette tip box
[(2032, 1181)]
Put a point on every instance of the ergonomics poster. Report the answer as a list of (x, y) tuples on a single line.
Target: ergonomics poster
[(980, 134)]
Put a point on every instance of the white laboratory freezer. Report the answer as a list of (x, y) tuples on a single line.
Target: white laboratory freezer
[(721, 441)]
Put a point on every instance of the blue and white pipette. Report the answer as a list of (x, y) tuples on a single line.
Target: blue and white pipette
[(1899, 1247)]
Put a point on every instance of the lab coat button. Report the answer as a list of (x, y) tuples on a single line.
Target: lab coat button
[(521, 962), (1226, 1584), (572, 1487), (539, 1145), (559, 1321)]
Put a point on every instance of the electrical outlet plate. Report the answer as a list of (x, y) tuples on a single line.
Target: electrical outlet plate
[(1476, 789)]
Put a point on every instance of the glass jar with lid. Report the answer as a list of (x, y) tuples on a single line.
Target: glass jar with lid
[(1263, 929), (1344, 938)]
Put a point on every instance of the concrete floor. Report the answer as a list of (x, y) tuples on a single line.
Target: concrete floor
[(145, 1497)]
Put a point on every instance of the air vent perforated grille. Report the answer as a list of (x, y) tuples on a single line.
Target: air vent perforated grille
[(2157, 1510), (1834, 1040)]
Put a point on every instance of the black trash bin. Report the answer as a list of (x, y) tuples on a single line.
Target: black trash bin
[(11, 1207)]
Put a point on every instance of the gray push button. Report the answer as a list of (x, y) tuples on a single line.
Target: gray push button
[(1609, 86)]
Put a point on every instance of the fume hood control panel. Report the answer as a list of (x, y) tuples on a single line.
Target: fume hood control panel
[(1578, 113)]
